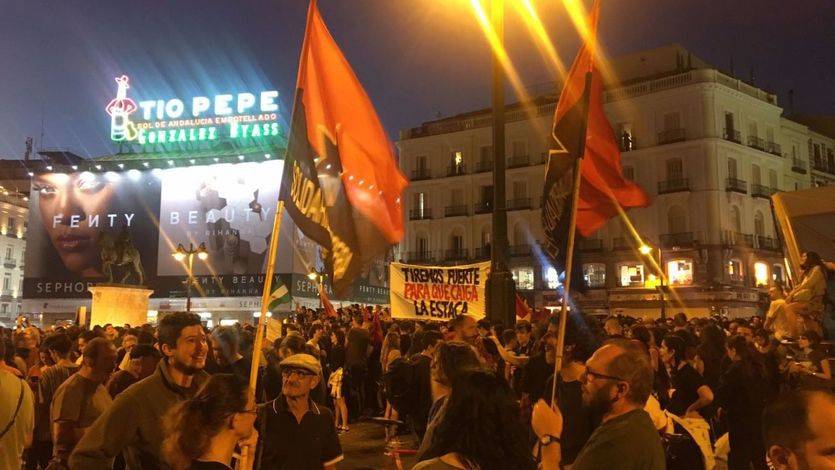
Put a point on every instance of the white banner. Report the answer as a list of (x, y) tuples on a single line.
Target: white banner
[(438, 293)]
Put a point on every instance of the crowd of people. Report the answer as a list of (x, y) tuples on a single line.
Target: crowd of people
[(630, 393)]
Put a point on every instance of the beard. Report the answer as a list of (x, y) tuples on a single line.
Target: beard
[(185, 369), (598, 402)]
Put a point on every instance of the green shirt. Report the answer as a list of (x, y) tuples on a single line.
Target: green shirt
[(626, 442)]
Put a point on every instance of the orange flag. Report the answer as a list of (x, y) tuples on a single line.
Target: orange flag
[(326, 302), (341, 183)]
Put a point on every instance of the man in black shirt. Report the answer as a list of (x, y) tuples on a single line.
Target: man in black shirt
[(298, 433), (422, 364), (357, 350)]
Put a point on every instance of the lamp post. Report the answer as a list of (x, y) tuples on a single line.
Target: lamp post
[(500, 287), (647, 250), (182, 254), (319, 279)]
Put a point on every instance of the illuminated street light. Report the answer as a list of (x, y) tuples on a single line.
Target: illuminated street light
[(645, 249), (180, 255)]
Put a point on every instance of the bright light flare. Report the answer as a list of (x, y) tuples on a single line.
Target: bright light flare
[(543, 40), (583, 23)]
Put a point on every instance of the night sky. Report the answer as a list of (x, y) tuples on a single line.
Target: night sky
[(416, 58)]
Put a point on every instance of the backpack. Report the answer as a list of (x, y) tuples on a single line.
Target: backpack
[(399, 386)]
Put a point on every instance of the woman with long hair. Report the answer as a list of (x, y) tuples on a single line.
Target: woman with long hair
[(811, 369), (481, 428), (741, 395), (805, 301), (336, 362), (710, 354), (202, 432)]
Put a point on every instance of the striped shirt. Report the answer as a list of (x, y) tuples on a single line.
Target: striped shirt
[(51, 378)]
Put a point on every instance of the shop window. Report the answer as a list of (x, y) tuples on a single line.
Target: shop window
[(760, 274), (680, 272), (595, 275), (777, 274), (631, 275), (523, 277), (552, 278), (735, 273)]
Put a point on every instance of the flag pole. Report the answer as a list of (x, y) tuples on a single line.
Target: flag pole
[(572, 226)]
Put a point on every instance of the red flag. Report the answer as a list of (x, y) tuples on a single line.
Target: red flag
[(341, 184), (326, 302), (523, 311)]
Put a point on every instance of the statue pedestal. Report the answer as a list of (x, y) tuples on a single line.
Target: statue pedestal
[(119, 304)]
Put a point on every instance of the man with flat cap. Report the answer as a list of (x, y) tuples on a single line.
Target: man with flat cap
[(298, 434)]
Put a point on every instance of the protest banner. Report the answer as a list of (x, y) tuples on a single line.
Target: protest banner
[(438, 293)]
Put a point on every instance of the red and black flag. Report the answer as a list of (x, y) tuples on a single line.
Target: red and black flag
[(581, 129), (341, 184)]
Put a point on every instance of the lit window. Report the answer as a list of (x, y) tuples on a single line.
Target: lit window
[(735, 270), (457, 158), (595, 275), (631, 275), (777, 273), (523, 277), (761, 274), (680, 272), (552, 278)]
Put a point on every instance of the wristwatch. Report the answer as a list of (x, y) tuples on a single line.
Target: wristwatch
[(548, 439)]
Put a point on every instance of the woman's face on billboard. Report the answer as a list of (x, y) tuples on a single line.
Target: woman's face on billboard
[(73, 211)]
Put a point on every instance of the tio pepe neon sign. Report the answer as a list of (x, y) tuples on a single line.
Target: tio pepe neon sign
[(225, 116)]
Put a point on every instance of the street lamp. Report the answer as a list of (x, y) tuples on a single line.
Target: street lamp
[(647, 250), (182, 254), (319, 279)]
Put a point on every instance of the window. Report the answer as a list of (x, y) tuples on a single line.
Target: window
[(520, 190), (421, 165), (760, 274), (777, 274), (729, 124), (457, 162), (732, 168), (552, 278), (8, 252), (4, 308), (675, 170), (485, 235), (672, 121), (676, 220), (7, 282), (12, 224), (752, 129), (523, 277), (456, 243), (736, 219), (519, 149), (629, 173), (772, 179), (519, 234), (421, 205), (627, 141), (422, 244), (735, 270), (595, 275), (759, 224), (680, 272), (795, 149), (486, 153), (457, 197), (756, 177), (631, 275), (487, 195), (769, 134)]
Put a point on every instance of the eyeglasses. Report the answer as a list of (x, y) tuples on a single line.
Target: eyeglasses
[(300, 372), (590, 373)]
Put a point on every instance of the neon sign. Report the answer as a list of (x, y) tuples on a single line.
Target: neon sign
[(202, 118)]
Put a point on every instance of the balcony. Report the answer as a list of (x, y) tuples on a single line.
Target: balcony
[(456, 170), (9, 263), (455, 211), (6, 295), (681, 239), (520, 250), (736, 185), (421, 174), (759, 190), (420, 214), (732, 135), (767, 243), (484, 166), (518, 204), (420, 257), (483, 207), (756, 142), (674, 186), (798, 165), (671, 136), (822, 166), (590, 244), (482, 252), (774, 148), (621, 243), (737, 239), (518, 161), (455, 254)]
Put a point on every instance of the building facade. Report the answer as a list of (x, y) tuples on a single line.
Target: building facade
[(13, 224), (709, 149)]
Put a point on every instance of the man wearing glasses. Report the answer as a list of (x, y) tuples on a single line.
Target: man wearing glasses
[(299, 434)]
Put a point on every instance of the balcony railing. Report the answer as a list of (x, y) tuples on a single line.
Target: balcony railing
[(732, 135), (737, 239), (674, 186), (421, 174), (483, 207), (456, 170), (756, 142), (482, 252), (823, 166), (759, 190), (520, 250), (484, 166), (519, 204), (420, 257), (736, 185), (9, 262), (420, 214), (767, 243), (518, 161), (774, 148), (681, 239), (591, 244), (455, 254), (798, 165), (621, 243), (454, 211), (6, 295), (671, 135)]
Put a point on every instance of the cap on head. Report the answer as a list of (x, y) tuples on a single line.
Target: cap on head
[(302, 361)]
